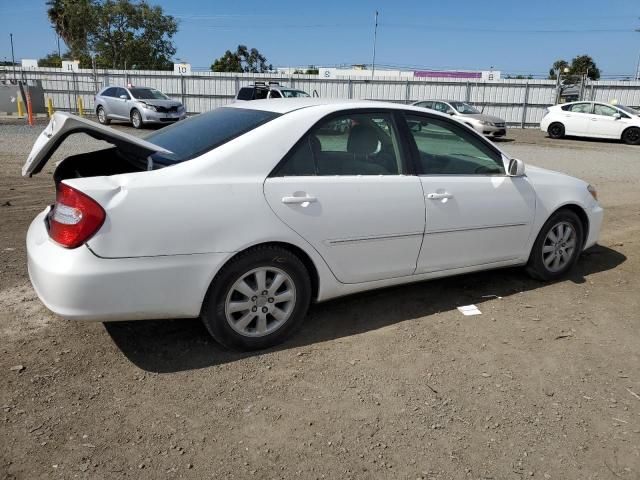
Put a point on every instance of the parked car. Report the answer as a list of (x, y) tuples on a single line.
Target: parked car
[(481, 123), (245, 214), (592, 119), (138, 105), (262, 90)]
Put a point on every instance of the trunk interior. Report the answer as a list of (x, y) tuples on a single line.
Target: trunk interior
[(110, 161)]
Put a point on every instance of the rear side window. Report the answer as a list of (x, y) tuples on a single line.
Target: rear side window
[(275, 94), (578, 107), (199, 134), (352, 144), (110, 92), (245, 93)]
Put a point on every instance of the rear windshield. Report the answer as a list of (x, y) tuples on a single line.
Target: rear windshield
[(148, 94), (194, 136)]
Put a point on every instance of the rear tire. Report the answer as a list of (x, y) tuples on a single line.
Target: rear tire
[(631, 136), (557, 248), (136, 119), (102, 116), (258, 299), (556, 130)]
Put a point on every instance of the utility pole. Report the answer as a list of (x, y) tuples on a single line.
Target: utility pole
[(638, 64), (375, 37), (13, 59)]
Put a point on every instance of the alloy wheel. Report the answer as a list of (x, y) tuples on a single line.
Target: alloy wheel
[(559, 246), (260, 301)]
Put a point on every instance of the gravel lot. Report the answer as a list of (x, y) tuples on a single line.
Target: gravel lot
[(389, 384)]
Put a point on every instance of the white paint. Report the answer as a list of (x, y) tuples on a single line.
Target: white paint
[(182, 68)]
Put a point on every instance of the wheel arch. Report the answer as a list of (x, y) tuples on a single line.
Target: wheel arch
[(627, 129), (582, 215), (304, 257)]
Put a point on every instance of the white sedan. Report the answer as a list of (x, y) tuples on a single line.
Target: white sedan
[(244, 215), (593, 119)]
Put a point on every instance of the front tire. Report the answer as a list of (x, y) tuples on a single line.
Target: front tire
[(136, 119), (102, 116), (556, 130), (631, 136), (258, 299), (557, 248)]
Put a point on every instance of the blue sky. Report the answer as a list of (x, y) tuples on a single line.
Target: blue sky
[(512, 35)]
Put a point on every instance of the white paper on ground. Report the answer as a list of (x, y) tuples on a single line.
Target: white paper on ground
[(469, 310)]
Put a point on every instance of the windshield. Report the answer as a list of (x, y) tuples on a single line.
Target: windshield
[(464, 108), (629, 110), (294, 93), (194, 136), (148, 94)]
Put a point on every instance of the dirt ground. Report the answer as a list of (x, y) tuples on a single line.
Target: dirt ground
[(390, 384)]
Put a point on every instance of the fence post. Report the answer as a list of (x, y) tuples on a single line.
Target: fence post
[(350, 89), (183, 91), (237, 80), (407, 98), (525, 102), (468, 92)]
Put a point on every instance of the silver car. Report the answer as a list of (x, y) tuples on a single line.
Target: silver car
[(465, 113), (138, 105)]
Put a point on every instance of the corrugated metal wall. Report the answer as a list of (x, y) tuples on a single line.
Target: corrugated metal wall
[(519, 102)]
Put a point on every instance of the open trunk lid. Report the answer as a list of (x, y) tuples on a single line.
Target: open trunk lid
[(63, 124)]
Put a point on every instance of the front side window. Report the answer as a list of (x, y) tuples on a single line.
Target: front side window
[(274, 94), (122, 91), (604, 110), (196, 135), (445, 148), (353, 144), (110, 92), (441, 107)]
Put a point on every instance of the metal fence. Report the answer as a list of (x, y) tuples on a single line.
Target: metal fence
[(519, 102)]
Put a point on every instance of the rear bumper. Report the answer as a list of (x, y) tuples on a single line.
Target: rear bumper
[(76, 284)]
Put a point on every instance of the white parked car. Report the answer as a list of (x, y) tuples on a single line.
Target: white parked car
[(245, 214), (593, 119)]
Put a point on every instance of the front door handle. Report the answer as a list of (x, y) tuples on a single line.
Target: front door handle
[(438, 196), (299, 200)]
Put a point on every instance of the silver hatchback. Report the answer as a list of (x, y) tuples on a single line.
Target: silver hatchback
[(138, 105)]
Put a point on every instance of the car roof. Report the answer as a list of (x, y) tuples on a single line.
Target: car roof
[(286, 105)]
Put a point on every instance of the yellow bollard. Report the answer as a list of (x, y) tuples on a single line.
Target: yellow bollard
[(20, 108), (50, 106), (80, 106)]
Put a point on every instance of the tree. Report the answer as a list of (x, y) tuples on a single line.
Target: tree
[(312, 70), (119, 33), (579, 66), (132, 35), (242, 60), (73, 21)]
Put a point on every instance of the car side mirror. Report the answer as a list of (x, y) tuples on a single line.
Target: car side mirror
[(451, 112), (617, 116), (123, 97), (516, 168)]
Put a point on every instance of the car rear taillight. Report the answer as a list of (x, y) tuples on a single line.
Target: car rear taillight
[(75, 217)]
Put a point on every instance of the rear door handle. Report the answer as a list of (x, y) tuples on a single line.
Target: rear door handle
[(299, 200), (438, 196)]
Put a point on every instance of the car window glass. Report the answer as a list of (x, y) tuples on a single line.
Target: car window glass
[(605, 110), (441, 107), (580, 108), (445, 148), (355, 144), (245, 93), (110, 92), (275, 94), (261, 93), (122, 91)]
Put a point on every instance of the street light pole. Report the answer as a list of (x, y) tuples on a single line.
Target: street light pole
[(13, 59), (375, 37)]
